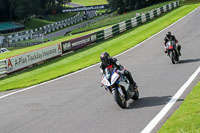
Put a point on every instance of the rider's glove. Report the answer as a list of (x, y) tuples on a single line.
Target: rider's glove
[(120, 71), (165, 50)]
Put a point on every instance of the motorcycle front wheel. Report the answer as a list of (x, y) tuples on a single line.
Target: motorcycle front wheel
[(121, 100), (171, 55)]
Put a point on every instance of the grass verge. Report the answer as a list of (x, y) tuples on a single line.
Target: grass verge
[(34, 23), (90, 55), (187, 118), (114, 18)]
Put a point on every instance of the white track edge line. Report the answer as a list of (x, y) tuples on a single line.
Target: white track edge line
[(167, 107), (22, 90)]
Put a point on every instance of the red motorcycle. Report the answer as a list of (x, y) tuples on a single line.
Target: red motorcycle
[(172, 51)]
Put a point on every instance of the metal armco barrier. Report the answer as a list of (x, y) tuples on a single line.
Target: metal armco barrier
[(133, 22), (3, 68)]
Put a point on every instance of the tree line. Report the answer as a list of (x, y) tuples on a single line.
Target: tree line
[(11, 10), (22, 9), (128, 5)]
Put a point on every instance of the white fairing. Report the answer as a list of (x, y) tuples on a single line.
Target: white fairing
[(109, 79), (105, 82), (126, 85), (115, 76)]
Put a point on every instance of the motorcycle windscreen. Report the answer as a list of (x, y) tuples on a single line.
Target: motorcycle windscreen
[(115, 76), (108, 72), (171, 45)]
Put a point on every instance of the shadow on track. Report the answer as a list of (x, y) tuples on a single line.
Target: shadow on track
[(150, 101), (189, 61)]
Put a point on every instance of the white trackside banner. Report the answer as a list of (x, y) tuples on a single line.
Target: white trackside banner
[(27, 59)]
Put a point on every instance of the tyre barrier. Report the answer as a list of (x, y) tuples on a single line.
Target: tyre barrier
[(3, 68)]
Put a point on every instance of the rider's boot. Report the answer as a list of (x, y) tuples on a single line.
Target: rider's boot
[(179, 50), (132, 86)]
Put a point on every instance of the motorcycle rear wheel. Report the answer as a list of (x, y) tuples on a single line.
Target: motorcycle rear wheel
[(177, 57)]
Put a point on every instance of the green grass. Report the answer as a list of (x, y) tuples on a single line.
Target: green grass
[(187, 118), (184, 2), (36, 23), (90, 55), (101, 11), (61, 16), (90, 2), (114, 18)]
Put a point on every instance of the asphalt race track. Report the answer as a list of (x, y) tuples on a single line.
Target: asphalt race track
[(77, 103)]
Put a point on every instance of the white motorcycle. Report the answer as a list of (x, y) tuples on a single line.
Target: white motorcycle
[(118, 85)]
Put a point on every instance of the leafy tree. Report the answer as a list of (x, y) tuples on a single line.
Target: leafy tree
[(127, 5), (23, 9), (117, 5), (3, 10)]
